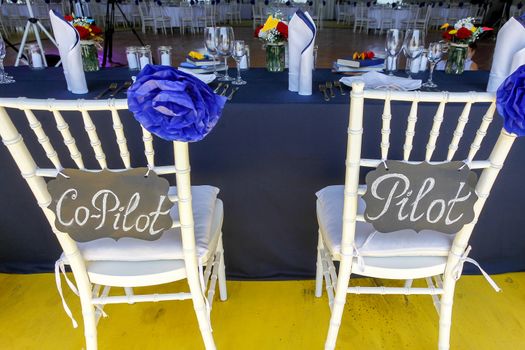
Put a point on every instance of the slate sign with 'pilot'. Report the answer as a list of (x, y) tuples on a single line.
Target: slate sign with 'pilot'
[(92, 205), (420, 196)]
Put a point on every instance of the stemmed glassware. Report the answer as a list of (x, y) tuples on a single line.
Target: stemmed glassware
[(435, 52), (4, 78), (239, 50), (209, 43), (393, 46), (413, 47), (224, 43)]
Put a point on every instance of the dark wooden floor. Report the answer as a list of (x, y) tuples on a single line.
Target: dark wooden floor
[(334, 42)]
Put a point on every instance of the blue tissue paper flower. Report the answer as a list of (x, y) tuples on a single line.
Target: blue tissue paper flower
[(174, 105), (511, 102)]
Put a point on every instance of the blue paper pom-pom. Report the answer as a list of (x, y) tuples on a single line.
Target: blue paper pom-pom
[(174, 105), (511, 102)]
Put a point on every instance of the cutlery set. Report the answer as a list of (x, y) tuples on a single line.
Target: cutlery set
[(114, 89), (328, 89), (223, 92)]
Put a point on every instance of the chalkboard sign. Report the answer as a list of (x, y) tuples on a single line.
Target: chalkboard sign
[(420, 196), (92, 205)]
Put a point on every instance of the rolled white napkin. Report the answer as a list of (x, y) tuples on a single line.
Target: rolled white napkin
[(518, 60), (511, 39), (376, 80), (68, 42), (301, 36)]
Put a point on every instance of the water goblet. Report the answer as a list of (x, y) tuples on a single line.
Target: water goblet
[(435, 52), (393, 46), (4, 78), (239, 50), (413, 47), (224, 43), (209, 43)]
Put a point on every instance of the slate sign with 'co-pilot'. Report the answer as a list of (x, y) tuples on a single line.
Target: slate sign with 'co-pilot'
[(92, 205), (420, 196)]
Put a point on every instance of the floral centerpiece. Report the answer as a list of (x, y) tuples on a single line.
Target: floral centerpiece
[(90, 40), (274, 35), (460, 36)]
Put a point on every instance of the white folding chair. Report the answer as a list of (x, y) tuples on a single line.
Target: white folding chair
[(186, 19), (405, 255), (192, 250)]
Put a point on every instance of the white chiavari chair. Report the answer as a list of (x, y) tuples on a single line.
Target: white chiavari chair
[(386, 21), (160, 18), (207, 16), (192, 250), (186, 19), (438, 258), (146, 18), (412, 16), (233, 12), (257, 15)]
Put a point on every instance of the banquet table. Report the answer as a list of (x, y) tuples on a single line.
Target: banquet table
[(269, 154)]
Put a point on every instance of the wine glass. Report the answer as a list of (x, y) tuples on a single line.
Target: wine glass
[(435, 52), (209, 43), (238, 52), (224, 43), (413, 47), (393, 46), (4, 78)]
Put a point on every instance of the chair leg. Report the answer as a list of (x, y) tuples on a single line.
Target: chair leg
[(445, 313), (319, 269), (88, 312), (345, 269), (223, 293)]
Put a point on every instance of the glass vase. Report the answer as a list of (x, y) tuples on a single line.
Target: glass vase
[(275, 58), (457, 53), (89, 56)]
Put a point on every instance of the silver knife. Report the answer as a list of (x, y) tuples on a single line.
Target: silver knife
[(234, 90), (218, 87)]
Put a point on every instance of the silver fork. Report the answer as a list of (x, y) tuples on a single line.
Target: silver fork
[(226, 87), (124, 86), (112, 87), (218, 87), (330, 86), (234, 90)]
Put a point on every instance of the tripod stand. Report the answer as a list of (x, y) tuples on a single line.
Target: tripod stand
[(33, 23), (110, 30)]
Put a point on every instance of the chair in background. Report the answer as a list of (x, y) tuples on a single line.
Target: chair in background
[(192, 250), (207, 16), (186, 19), (438, 258), (386, 21), (233, 12), (412, 17), (160, 18), (257, 15), (146, 19)]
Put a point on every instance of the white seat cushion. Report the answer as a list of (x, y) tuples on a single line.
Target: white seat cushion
[(399, 243), (169, 245)]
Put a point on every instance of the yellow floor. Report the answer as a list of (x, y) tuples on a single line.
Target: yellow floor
[(268, 315)]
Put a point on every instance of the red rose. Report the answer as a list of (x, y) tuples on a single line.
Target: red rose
[(447, 36), (463, 33), (257, 30), (68, 18), (369, 55), (96, 30), (282, 28), (83, 32)]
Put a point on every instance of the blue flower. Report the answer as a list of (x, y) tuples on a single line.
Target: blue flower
[(174, 105), (511, 102)]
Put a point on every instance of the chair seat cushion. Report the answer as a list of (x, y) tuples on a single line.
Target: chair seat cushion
[(169, 245), (399, 243)]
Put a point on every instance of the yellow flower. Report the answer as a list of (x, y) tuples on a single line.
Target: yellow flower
[(444, 26), (196, 55), (271, 23), (473, 29), (452, 32)]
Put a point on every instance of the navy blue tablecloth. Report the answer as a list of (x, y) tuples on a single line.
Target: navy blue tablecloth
[(269, 154)]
